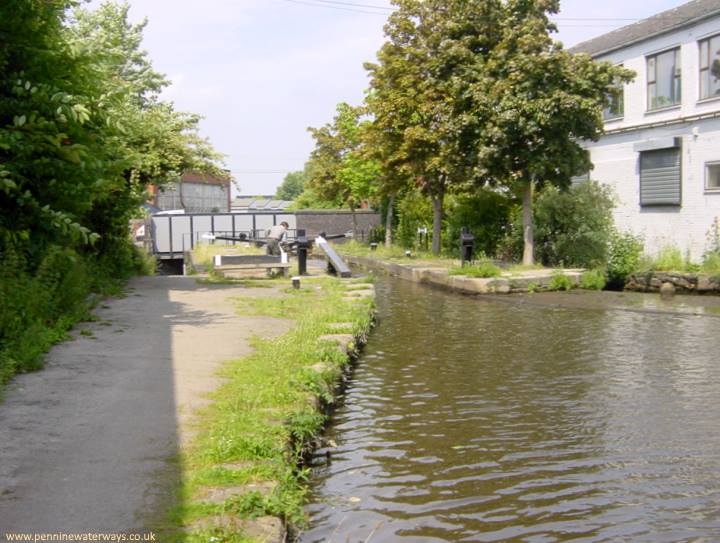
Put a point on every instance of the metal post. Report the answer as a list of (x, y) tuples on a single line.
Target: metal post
[(302, 247)]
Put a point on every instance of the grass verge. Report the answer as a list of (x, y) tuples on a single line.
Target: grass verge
[(263, 420)]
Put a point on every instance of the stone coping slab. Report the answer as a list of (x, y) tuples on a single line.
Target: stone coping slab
[(507, 283)]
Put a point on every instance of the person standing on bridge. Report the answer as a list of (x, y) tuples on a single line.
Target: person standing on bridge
[(274, 236)]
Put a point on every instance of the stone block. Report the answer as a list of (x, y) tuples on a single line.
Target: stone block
[(218, 495), (267, 529), (345, 342)]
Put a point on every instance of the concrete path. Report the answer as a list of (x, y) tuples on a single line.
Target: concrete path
[(89, 444)]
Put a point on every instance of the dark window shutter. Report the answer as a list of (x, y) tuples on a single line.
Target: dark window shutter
[(660, 177)]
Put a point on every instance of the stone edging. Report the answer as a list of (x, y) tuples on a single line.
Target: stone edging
[(271, 529), (460, 283), (693, 283)]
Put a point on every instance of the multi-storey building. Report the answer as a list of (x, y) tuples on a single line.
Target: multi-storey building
[(661, 147)]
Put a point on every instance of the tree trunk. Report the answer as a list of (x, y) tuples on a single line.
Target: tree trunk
[(437, 201), (388, 221), (354, 222), (528, 233)]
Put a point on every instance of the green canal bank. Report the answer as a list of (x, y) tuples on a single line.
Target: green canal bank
[(243, 475), (184, 408)]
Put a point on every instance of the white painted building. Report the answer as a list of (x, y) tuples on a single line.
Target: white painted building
[(661, 147)]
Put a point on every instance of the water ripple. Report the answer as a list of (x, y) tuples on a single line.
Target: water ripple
[(471, 420)]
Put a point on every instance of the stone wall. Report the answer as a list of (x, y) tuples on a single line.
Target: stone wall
[(334, 221), (692, 283)]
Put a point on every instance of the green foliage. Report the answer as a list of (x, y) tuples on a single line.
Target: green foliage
[(38, 308), (414, 211), (262, 416), (419, 99), (339, 169), (624, 255), (535, 103), (593, 279), (572, 227), (479, 269), (560, 281), (292, 186), (83, 133), (711, 262), (668, 258), (485, 212)]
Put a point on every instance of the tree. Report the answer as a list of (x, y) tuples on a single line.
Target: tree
[(82, 128), (292, 186), (339, 168), (534, 103), (418, 96)]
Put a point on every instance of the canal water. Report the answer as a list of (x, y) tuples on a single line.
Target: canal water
[(473, 419)]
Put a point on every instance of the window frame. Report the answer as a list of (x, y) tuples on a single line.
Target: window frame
[(708, 188), (618, 89), (651, 79), (703, 71)]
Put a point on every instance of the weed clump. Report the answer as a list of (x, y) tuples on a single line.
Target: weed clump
[(593, 280), (480, 270)]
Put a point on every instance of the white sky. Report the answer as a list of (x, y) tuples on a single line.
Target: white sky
[(262, 71)]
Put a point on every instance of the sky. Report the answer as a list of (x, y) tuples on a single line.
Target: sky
[(261, 71)]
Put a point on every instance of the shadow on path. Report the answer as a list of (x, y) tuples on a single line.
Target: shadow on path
[(90, 444)]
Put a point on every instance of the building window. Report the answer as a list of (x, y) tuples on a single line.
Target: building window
[(712, 176), (580, 179), (660, 177), (663, 79), (710, 67), (616, 102)]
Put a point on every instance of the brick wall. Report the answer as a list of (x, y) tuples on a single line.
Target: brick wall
[(335, 221)]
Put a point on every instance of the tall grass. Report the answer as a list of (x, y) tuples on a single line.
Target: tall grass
[(38, 307)]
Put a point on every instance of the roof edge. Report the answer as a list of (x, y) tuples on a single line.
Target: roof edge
[(678, 26)]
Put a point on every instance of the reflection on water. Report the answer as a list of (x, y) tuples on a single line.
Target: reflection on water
[(476, 420)]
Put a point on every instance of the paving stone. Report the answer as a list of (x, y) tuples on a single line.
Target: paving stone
[(364, 293), (266, 529), (219, 495), (340, 325), (344, 341)]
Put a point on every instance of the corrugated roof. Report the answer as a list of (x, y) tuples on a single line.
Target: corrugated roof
[(663, 22)]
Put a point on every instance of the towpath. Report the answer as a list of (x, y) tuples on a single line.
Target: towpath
[(90, 443)]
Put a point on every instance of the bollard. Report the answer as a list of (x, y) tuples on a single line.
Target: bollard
[(467, 240), (296, 283), (373, 246), (303, 244)]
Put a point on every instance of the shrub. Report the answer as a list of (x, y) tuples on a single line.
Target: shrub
[(668, 259), (624, 254), (572, 227), (711, 262), (560, 281), (486, 213), (38, 305), (482, 269), (414, 211), (593, 280)]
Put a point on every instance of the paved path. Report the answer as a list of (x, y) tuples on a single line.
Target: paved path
[(89, 443)]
